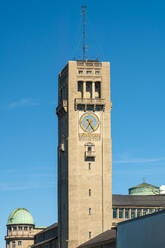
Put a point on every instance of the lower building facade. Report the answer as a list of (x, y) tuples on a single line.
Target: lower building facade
[(48, 238), (126, 207)]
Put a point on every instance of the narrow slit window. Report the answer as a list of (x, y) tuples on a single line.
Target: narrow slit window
[(90, 211), (90, 192), (90, 234), (89, 148)]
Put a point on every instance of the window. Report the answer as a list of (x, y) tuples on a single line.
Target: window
[(132, 213), (145, 211), (139, 212), (114, 213), (99, 107), (88, 89), (80, 72), (97, 72), (13, 244), (90, 212), (88, 72), (89, 107), (90, 234), (90, 192), (9, 228), (121, 213), (97, 90), (80, 89), (14, 228), (19, 243), (25, 228), (126, 213), (20, 228), (80, 107), (89, 166), (90, 153), (89, 148), (151, 210)]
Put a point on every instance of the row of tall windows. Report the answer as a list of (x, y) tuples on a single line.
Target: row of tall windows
[(87, 91), (19, 228), (130, 213)]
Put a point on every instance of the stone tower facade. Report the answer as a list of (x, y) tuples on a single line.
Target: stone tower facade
[(84, 152)]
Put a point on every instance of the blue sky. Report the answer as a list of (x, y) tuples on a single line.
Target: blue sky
[(37, 39)]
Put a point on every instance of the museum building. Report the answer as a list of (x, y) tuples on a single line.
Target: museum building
[(21, 229)]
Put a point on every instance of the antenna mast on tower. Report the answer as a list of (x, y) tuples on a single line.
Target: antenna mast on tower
[(84, 47)]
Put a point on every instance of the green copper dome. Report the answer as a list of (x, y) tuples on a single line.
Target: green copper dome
[(144, 189), (20, 216)]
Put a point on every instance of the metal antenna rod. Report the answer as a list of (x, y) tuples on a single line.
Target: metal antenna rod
[(84, 12)]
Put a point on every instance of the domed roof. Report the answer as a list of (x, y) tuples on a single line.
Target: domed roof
[(144, 189), (20, 216)]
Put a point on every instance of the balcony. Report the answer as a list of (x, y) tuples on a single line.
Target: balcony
[(90, 154), (89, 102)]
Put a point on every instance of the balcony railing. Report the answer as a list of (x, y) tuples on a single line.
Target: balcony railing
[(90, 101), (97, 101)]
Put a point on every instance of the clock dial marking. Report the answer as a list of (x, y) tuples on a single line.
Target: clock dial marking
[(89, 122)]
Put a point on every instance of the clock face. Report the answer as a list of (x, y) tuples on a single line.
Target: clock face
[(89, 122)]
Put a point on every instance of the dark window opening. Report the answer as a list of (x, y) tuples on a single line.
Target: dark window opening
[(114, 213), (97, 90), (121, 210), (80, 88), (126, 213)]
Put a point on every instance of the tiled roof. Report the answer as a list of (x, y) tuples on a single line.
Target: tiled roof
[(139, 200), (103, 238), (48, 228)]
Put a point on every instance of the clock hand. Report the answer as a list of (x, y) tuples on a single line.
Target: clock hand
[(89, 121), (91, 126)]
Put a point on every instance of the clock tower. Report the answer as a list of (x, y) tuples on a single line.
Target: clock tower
[(84, 152)]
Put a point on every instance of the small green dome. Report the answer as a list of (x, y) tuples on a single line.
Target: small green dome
[(20, 216), (144, 189)]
